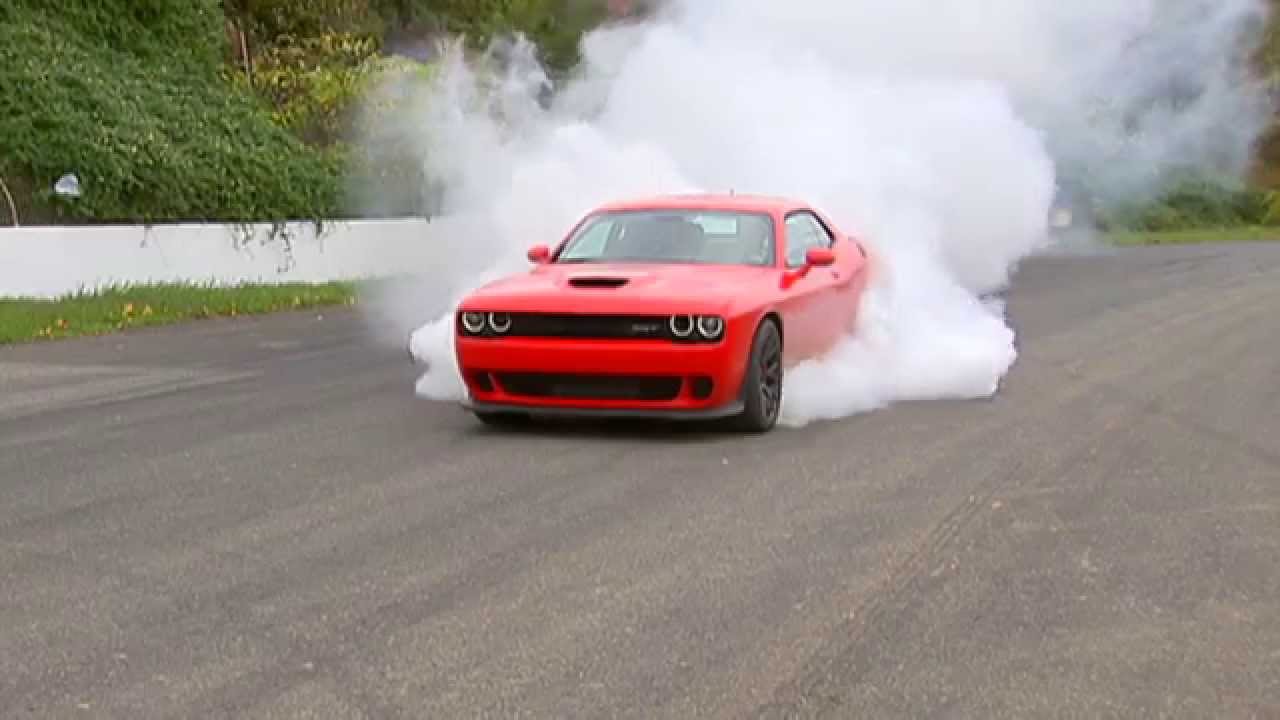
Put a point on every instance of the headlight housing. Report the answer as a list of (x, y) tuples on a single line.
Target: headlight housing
[(477, 323), (682, 326), (710, 327), (695, 328), (499, 323), (473, 322)]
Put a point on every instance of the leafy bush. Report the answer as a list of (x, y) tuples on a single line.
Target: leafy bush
[(312, 82), (386, 176), (162, 118), (1198, 203), (1267, 168), (555, 26), (144, 118), (186, 33), (1272, 216), (267, 20)]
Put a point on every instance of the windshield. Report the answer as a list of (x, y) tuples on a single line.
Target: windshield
[(673, 236)]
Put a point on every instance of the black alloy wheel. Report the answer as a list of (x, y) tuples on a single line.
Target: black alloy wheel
[(763, 386)]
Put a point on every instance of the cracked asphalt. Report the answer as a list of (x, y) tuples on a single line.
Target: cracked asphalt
[(257, 518)]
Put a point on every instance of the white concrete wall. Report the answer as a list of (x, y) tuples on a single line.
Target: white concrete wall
[(50, 261)]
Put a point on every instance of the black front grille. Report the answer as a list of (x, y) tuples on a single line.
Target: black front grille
[(591, 387), (609, 327)]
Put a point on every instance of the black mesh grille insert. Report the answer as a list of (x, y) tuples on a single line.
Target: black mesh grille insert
[(614, 327), (591, 387)]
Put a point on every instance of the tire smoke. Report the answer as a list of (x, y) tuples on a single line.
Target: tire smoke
[(942, 133)]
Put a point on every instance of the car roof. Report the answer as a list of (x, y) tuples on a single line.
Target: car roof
[(707, 201)]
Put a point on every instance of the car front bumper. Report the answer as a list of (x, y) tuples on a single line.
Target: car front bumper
[(603, 378)]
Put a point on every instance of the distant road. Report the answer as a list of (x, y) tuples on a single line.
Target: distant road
[(257, 518)]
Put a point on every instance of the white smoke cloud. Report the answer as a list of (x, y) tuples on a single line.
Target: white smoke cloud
[(934, 130)]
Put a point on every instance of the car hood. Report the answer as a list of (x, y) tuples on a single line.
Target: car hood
[(624, 287)]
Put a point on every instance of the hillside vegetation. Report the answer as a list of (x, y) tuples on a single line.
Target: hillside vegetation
[(232, 110), (241, 110), (1268, 168), (128, 94)]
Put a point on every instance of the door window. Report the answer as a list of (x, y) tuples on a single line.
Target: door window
[(804, 231)]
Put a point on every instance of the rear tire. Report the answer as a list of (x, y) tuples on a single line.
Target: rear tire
[(762, 386)]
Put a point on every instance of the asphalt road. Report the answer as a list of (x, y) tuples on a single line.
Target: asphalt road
[(257, 518)]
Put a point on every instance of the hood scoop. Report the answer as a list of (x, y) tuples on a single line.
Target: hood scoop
[(595, 281)]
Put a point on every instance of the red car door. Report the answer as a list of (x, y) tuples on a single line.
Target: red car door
[(812, 294)]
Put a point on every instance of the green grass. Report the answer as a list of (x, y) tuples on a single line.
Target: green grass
[(135, 306), (1250, 233)]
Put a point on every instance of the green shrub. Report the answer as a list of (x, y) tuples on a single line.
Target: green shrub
[(1272, 217), (555, 26), (163, 120), (267, 20), (386, 175), (1197, 203), (186, 33), (144, 119), (312, 82)]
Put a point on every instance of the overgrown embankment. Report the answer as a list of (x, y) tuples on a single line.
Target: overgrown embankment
[(226, 110), (241, 110), (128, 94)]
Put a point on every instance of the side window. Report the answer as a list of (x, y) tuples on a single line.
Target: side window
[(803, 232)]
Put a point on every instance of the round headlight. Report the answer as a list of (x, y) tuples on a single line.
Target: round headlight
[(682, 325), (499, 322), (710, 326), (473, 322)]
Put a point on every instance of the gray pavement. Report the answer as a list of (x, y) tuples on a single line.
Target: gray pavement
[(257, 518)]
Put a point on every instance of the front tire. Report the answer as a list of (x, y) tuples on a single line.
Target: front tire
[(762, 387)]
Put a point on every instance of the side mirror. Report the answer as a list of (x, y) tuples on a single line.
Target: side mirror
[(539, 254), (820, 257)]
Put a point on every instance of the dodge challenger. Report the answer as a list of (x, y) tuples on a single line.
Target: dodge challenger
[(673, 307)]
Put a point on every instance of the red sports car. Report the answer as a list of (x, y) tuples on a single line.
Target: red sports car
[(680, 307)]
